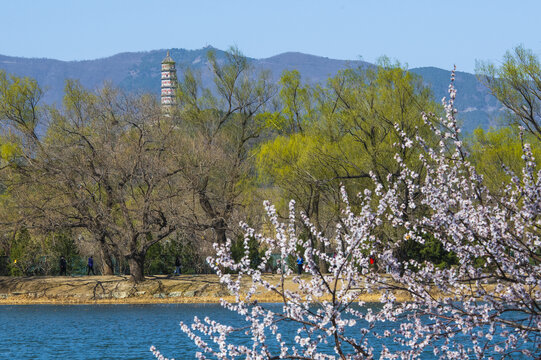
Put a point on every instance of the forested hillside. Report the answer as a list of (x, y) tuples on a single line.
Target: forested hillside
[(140, 71)]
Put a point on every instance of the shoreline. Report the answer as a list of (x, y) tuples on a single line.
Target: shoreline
[(112, 290)]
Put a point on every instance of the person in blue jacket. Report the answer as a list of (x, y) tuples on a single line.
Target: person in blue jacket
[(90, 266), (300, 262)]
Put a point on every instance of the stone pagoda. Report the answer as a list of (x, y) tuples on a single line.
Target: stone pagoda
[(169, 82)]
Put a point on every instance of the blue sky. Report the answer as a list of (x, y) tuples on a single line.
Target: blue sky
[(419, 33)]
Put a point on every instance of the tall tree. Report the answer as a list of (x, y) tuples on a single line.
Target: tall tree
[(221, 125), (477, 309), (497, 154), (105, 166), (344, 133), (516, 83)]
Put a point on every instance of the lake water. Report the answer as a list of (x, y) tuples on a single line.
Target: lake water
[(105, 331), (97, 331)]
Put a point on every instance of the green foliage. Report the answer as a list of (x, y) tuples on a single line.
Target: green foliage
[(339, 134), (40, 255), (255, 252), (156, 260), (516, 83), (18, 102), (24, 254), (9, 150), (495, 150), (297, 105), (219, 126), (58, 244), (191, 259), (431, 251), (160, 257), (101, 155)]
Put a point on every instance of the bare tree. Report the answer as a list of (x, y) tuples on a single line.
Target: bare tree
[(105, 166)]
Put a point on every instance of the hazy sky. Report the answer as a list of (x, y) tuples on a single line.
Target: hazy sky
[(419, 33)]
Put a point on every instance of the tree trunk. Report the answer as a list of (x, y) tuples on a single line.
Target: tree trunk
[(107, 267), (219, 227), (137, 264), (218, 223), (323, 266)]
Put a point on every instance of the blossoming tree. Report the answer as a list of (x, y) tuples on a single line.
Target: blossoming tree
[(486, 306)]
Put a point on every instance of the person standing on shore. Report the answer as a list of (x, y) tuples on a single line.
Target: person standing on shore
[(177, 265), (63, 266), (90, 266), (300, 262)]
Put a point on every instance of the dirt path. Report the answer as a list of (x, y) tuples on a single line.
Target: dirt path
[(119, 289)]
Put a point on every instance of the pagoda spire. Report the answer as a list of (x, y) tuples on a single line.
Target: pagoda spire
[(169, 82)]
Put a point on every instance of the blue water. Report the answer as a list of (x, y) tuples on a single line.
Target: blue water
[(97, 331), (112, 331)]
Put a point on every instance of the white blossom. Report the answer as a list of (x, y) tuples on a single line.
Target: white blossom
[(499, 273)]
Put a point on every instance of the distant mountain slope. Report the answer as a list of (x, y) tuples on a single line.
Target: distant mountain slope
[(477, 107), (51, 74), (140, 71), (314, 69), (145, 74)]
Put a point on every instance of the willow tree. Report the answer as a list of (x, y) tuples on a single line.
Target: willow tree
[(343, 133), (477, 309), (516, 83), (220, 125), (497, 154)]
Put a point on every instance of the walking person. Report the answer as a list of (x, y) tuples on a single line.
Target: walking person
[(300, 262), (63, 266), (177, 265), (90, 266)]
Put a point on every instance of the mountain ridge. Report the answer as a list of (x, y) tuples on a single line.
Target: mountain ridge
[(140, 71)]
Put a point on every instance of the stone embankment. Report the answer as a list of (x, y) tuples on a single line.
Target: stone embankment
[(119, 289), (110, 289)]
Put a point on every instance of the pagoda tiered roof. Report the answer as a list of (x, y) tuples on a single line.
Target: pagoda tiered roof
[(168, 59)]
